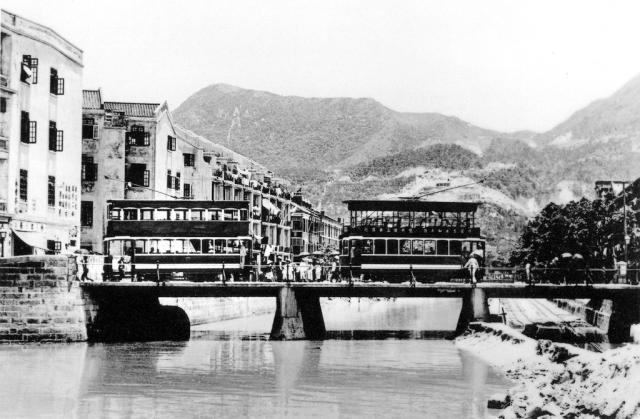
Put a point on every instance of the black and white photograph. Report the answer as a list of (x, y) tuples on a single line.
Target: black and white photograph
[(320, 209)]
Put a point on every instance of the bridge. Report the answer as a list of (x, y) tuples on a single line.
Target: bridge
[(119, 311)]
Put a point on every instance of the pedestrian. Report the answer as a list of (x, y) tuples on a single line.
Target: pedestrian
[(527, 272), (85, 269), (472, 265), (121, 268)]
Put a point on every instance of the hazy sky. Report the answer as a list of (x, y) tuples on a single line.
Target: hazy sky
[(506, 65)]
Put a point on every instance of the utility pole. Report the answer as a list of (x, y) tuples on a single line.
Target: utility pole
[(624, 220)]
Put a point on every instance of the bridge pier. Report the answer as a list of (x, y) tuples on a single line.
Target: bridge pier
[(625, 311), (298, 316), (475, 307), (133, 318)]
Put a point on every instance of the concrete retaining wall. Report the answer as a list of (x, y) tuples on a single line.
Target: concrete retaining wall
[(209, 310), (39, 301)]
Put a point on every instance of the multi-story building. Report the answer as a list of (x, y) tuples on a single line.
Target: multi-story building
[(312, 231), (136, 151), (40, 146)]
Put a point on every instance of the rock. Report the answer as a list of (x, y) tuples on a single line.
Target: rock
[(499, 401)]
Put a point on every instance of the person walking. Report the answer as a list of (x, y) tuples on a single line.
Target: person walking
[(472, 265)]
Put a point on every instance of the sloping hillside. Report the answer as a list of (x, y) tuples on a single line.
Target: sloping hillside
[(285, 132)]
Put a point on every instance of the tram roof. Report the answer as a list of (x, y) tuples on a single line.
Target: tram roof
[(408, 205), (175, 203)]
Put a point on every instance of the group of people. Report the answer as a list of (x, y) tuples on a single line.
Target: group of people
[(574, 268)]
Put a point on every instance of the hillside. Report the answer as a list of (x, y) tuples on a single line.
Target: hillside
[(345, 148), (323, 133)]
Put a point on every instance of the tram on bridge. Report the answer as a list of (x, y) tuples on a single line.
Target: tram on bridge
[(180, 239), (401, 240)]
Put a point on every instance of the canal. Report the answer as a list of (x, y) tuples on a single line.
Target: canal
[(380, 361)]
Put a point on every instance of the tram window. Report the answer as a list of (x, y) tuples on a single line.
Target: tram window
[(162, 214), (140, 246), (164, 246), (115, 214), (153, 246), (244, 214), (220, 246), (367, 247), (392, 247), (207, 246), (345, 247), (429, 247), (197, 215), (214, 214), (466, 247), (455, 247), (418, 247), (443, 247), (127, 247), (130, 214), (379, 246), (235, 246), (146, 214), (405, 247), (230, 214), (192, 246), (115, 247), (180, 214), (177, 246)]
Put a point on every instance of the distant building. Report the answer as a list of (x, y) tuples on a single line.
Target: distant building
[(40, 147), (608, 188), (312, 231)]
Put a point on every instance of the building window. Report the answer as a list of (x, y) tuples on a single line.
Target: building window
[(54, 246), (56, 84), (137, 174), (89, 129), (34, 70), (137, 136), (189, 159), (187, 191), (89, 169), (171, 143), (3, 104), (56, 137), (23, 185), (51, 191), (25, 69), (169, 180), (28, 129), (86, 213)]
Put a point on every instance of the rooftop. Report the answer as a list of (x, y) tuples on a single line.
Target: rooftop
[(144, 110), (397, 205), (91, 99)]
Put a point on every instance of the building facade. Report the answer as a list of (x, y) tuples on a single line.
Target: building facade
[(313, 231), (135, 151), (40, 139)]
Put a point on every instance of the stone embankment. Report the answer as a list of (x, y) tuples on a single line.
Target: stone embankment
[(40, 301), (558, 380)]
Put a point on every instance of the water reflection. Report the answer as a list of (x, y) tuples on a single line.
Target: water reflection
[(233, 372)]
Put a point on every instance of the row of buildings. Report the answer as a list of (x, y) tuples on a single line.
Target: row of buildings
[(65, 151)]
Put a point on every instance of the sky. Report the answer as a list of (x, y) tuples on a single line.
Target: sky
[(504, 65)]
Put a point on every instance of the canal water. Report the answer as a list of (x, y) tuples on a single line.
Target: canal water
[(378, 362)]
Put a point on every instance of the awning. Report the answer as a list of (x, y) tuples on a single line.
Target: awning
[(270, 207), (32, 238)]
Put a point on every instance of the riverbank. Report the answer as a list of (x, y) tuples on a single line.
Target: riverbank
[(557, 379)]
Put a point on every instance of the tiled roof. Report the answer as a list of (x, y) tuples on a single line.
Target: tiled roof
[(91, 99), (133, 109)]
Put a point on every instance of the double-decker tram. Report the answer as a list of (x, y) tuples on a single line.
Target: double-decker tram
[(179, 239), (398, 240)]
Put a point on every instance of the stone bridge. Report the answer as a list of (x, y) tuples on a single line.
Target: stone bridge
[(120, 311)]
